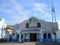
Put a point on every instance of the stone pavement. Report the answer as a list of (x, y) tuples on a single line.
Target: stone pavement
[(16, 43), (30, 43)]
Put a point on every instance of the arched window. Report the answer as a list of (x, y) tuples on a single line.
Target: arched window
[(49, 35), (32, 20), (44, 35), (27, 25), (38, 24)]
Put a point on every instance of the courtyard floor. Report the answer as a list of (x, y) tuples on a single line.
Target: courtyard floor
[(15, 43), (30, 43)]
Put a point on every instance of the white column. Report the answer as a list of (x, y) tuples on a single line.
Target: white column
[(29, 37), (20, 37), (23, 37), (53, 36), (42, 35), (15, 36)]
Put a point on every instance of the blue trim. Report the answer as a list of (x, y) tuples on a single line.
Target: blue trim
[(26, 40), (17, 40), (48, 40), (45, 40), (41, 39), (29, 30), (38, 39), (58, 40), (20, 40), (14, 39)]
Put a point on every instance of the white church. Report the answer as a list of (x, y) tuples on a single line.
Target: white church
[(31, 30), (35, 29)]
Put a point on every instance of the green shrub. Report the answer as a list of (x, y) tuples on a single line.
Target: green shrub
[(2, 40)]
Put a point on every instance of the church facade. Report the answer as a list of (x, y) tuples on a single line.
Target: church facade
[(34, 29)]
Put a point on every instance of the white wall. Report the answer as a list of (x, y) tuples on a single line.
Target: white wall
[(2, 26), (58, 34)]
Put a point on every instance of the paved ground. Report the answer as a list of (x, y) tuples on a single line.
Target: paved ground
[(47, 43), (30, 43), (13, 43)]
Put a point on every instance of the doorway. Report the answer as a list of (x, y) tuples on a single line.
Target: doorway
[(33, 37), (22, 37), (44, 35)]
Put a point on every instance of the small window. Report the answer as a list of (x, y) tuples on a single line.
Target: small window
[(27, 25), (39, 25), (49, 35), (54, 33)]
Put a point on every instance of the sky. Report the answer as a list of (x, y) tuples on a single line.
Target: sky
[(16, 11)]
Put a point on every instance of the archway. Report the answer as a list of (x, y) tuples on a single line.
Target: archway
[(22, 37), (44, 35)]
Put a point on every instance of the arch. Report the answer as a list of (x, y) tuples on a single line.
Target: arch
[(22, 37), (39, 24), (44, 35), (33, 37), (27, 25)]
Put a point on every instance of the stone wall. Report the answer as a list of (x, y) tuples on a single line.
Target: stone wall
[(47, 26)]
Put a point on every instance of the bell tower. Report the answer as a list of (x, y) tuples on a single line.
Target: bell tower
[(53, 13), (53, 17)]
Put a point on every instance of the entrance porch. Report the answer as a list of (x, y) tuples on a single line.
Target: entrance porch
[(29, 37), (35, 35)]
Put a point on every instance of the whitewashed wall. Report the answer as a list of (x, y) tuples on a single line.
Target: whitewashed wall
[(58, 36)]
